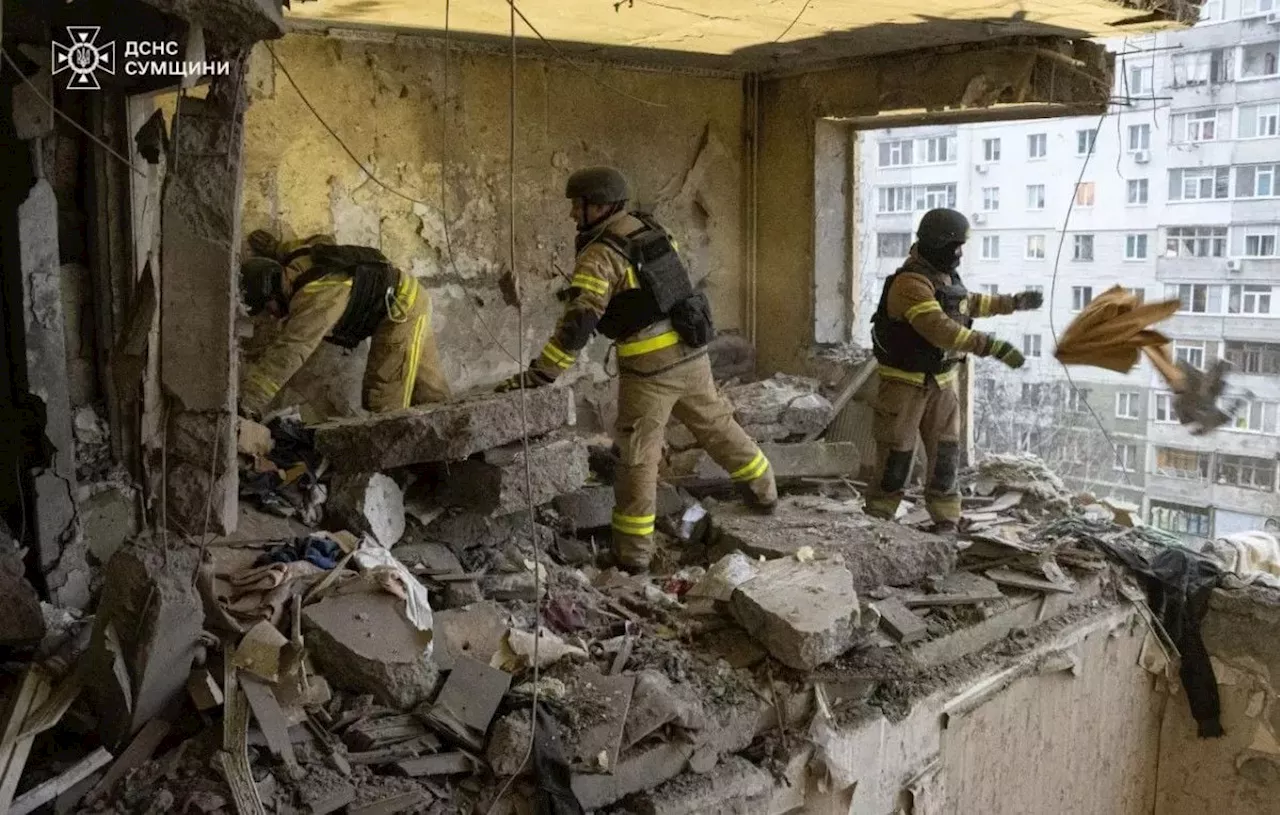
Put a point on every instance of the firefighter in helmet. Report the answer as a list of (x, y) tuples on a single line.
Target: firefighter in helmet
[(343, 294), (921, 331), (630, 284)]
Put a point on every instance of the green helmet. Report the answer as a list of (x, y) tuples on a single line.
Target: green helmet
[(598, 185), (940, 228), (261, 281)]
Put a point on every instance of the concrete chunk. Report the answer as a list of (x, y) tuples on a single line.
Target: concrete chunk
[(367, 503), (496, 482), (736, 787), (657, 702), (804, 613), (448, 432), (592, 507), (813, 459), (790, 401), (362, 642), (644, 770), (21, 621), (474, 631)]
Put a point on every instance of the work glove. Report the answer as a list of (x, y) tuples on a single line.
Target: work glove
[(1028, 300), (1007, 354), (530, 377)]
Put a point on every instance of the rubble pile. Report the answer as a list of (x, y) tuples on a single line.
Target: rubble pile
[(412, 637), (777, 409)]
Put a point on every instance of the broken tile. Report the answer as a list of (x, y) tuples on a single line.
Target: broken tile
[(469, 700), (805, 614)]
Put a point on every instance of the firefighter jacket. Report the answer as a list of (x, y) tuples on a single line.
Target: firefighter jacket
[(922, 326)]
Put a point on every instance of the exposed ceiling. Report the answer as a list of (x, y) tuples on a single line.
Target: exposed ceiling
[(750, 34)]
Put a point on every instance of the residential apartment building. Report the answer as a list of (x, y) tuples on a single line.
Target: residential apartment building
[(1174, 194)]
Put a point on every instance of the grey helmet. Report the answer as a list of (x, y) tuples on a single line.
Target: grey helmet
[(598, 185)]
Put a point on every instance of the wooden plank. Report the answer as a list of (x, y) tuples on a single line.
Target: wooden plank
[(69, 801), (902, 623), (34, 691), (233, 759), (139, 751), (390, 806), (950, 599), (849, 388), (1018, 580), (262, 701), (455, 763), (42, 794)]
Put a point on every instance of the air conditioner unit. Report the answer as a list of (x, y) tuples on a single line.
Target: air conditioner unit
[(1142, 156), (979, 218), (1233, 265), (1274, 18), (980, 169)]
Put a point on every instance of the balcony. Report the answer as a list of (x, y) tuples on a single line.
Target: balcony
[(1203, 270), (1205, 493), (1244, 327)]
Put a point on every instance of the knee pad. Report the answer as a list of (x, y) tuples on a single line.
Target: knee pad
[(896, 470), (945, 467)]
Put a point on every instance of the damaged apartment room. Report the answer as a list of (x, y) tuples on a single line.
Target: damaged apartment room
[(311, 608)]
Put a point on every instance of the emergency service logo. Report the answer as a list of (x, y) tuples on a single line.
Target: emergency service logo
[(84, 58)]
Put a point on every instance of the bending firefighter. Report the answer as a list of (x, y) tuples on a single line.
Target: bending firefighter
[(921, 331), (630, 284), (343, 294)]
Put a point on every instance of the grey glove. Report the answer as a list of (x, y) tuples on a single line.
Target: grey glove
[(1028, 300)]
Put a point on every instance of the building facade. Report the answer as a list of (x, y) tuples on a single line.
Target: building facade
[(1173, 194)]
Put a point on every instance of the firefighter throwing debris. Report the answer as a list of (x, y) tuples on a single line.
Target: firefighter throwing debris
[(343, 294), (921, 332), (630, 284)]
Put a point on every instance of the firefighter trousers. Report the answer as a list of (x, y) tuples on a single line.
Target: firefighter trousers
[(903, 410), (404, 363), (645, 404)]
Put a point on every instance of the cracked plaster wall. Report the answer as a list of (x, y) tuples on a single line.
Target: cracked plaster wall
[(385, 101)]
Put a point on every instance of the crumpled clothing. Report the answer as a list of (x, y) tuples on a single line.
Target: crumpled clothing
[(318, 550), (263, 592), (1253, 557)]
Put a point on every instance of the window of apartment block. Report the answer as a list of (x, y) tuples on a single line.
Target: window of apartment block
[(1260, 121), (1078, 400), (1260, 241), (1081, 296), (893, 244), (1085, 141), (1139, 137), (1251, 8), (1248, 299), (1139, 190), (990, 149), (1200, 184), (1196, 298), (1260, 60), (1127, 458), (1190, 352), (1032, 393), (1253, 357), (1199, 126), (1257, 417), (1035, 247), (894, 199), (1203, 67), (1139, 82), (939, 149), (1188, 465), (1135, 247), (1247, 472), (1196, 242), (1139, 294), (1085, 194), (1127, 406), (1035, 196), (1180, 519), (990, 199), (1082, 247), (1162, 409), (1037, 145), (1211, 11), (990, 247), (1258, 181), (1031, 345), (933, 196), (896, 153), (990, 288)]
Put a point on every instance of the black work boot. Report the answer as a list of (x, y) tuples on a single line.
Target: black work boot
[(945, 529)]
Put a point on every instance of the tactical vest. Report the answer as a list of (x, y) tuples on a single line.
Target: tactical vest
[(898, 345), (373, 285), (664, 292)]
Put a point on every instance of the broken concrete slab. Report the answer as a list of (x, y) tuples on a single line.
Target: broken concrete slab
[(474, 631), (508, 748), (497, 482), (432, 557), (21, 620), (455, 763), (876, 553), (805, 614), (643, 770), (468, 702), (735, 787), (447, 432), (657, 702), (592, 507), (792, 401), (362, 641), (145, 636), (367, 503), (816, 459), (461, 531), (904, 625), (594, 744), (109, 518)]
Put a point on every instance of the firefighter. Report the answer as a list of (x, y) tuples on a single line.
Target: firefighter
[(630, 284), (921, 331), (343, 294)]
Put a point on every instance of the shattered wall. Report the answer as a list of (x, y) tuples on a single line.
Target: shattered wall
[(388, 104), (1240, 772)]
